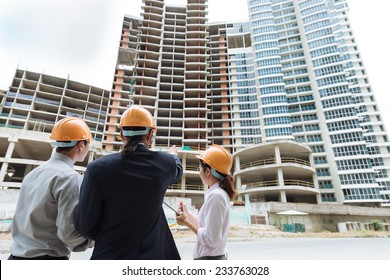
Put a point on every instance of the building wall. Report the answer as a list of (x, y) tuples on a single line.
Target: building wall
[(36, 101), (323, 217), (123, 82), (220, 106), (279, 171), (22, 150), (170, 103), (169, 61), (312, 78), (31, 106)]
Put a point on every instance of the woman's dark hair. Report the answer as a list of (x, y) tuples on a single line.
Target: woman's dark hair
[(131, 141), (227, 183)]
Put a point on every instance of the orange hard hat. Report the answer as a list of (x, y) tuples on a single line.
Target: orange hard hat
[(137, 116), (218, 158), (71, 129)]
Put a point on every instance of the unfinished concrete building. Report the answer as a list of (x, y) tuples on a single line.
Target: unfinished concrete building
[(28, 112)]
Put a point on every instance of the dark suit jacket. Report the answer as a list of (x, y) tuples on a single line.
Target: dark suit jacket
[(121, 205)]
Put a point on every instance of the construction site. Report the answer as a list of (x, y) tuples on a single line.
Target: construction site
[(310, 151)]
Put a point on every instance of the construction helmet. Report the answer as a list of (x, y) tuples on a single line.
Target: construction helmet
[(218, 158), (136, 116), (68, 131)]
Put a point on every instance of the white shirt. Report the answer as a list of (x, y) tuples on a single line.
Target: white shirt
[(213, 223), (43, 223)]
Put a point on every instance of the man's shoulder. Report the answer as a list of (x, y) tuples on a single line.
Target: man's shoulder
[(117, 157), (163, 154), (108, 157), (57, 166), (52, 171), (105, 159), (166, 157)]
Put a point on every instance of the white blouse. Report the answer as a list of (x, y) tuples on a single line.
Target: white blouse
[(213, 223)]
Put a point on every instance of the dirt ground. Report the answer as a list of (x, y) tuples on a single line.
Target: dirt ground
[(5, 236), (251, 232)]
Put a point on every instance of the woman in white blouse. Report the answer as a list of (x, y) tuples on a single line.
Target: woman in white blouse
[(212, 224)]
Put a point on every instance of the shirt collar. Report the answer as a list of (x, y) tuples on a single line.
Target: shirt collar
[(61, 157), (212, 188)]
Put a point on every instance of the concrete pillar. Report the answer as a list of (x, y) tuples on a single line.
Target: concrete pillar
[(238, 183), (12, 142), (11, 148), (184, 165), (238, 187), (282, 193), (3, 171), (277, 155), (248, 208), (91, 154), (283, 197), (318, 197), (280, 177), (237, 164)]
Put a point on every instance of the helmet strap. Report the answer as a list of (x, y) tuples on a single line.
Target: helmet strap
[(216, 174), (130, 133), (64, 144)]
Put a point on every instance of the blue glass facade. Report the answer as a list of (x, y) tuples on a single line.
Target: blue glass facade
[(313, 88)]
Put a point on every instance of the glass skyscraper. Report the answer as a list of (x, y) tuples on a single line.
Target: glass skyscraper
[(313, 87)]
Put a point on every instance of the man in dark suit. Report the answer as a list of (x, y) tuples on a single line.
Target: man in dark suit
[(121, 196)]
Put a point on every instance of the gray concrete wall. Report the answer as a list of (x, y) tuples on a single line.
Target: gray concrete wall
[(8, 200), (9, 196), (321, 216), (325, 222)]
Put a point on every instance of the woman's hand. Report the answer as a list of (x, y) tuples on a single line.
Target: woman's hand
[(186, 218), (182, 219)]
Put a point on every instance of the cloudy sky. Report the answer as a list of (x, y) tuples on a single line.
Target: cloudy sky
[(80, 38)]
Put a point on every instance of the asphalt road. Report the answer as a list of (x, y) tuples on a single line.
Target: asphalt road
[(286, 249), (295, 249)]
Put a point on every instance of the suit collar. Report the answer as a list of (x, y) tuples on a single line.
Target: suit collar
[(141, 147)]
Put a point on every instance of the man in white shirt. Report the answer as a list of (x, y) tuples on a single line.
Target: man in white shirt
[(43, 224)]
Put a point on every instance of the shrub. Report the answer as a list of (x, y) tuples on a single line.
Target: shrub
[(376, 224)]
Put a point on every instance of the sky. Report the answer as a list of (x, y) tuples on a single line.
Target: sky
[(79, 39)]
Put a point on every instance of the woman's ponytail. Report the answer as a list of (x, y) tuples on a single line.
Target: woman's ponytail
[(228, 185)]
